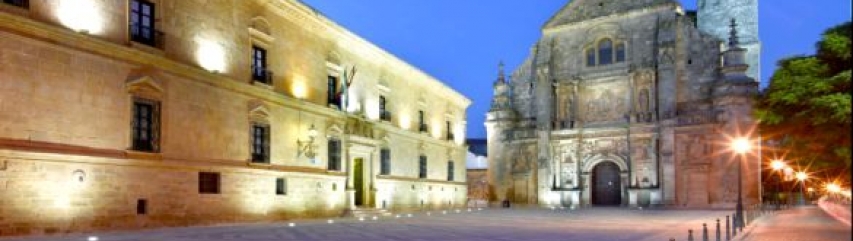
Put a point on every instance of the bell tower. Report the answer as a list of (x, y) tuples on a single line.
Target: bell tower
[(500, 118), (714, 17)]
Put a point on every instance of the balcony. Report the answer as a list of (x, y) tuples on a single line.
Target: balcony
[(262, 75), (147, 36)]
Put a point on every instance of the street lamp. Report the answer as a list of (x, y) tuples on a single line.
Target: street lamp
[(741, 146), (802, 176), (777, 166)]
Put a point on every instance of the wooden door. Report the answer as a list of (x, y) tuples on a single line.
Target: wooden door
[(358, 181), (607, 185)]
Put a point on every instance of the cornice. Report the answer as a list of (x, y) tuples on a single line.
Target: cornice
[(304, 15), (608, 18)]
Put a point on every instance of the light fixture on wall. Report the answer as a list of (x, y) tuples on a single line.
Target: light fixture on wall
[(308, 148), (79, 176)]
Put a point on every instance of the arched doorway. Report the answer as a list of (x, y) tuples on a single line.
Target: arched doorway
[(606, 185)]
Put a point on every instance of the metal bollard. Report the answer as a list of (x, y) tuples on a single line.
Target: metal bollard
[(705, 232), (690, 235), (718, 230), (671, 239), (728, 229), (734, 225)]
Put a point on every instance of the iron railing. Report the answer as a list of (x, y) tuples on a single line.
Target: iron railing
[(147, 35)]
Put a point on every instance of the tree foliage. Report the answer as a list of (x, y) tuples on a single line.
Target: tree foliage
[(807, 106)]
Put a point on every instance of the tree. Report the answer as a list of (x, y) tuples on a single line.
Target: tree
[(806, 109)]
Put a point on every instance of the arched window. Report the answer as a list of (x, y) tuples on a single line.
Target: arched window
[(620, 52), (605, 52), (590, 57)]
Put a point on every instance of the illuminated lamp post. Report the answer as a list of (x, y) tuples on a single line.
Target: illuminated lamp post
[(801, 177), (777, 166), (741, 146)]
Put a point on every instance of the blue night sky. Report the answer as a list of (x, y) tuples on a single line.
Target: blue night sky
[(461, 42)]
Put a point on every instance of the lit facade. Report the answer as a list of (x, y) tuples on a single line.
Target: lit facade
[(129, 114), (629, 103)]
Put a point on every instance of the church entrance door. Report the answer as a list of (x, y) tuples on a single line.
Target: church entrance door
[(606, 185)]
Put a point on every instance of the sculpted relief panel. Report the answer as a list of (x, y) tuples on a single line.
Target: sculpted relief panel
[(523, 157), (693, 149), (607, 103)]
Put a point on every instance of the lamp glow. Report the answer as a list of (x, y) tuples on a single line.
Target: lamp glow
[(210, 55), (802, 176), (778, 165), (741, 145), (833, 188), (80, 16), (299, 90)]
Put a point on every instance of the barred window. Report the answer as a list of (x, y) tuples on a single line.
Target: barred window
[(260, 143), (259, 65), (280, 186), (142, 22), (332, 91), (422, 167), (334, 155), (450, 171), (385, 162), (145, 125)]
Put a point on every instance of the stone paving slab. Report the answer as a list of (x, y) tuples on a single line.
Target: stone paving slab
[(799, 224), (605, 224)]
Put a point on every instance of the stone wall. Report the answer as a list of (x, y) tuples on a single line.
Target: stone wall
[(66, 93)]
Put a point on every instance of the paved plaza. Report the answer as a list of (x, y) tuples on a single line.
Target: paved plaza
[(605, 224), (799, 224)]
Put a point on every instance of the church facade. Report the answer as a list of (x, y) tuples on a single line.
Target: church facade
[(630, 103), (126, 114)]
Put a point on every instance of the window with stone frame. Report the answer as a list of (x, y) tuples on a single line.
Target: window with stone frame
[(280, 186), (450, 170), (145, 125), (384, 114), (209, 183), (422, 126), (620, 52), (605, 52), (141, 17), (590, 57), (18, 3), (448, 130), (260, 143), (260, 73), (332, 91), (334, 148), (385, 161), (422, 167)]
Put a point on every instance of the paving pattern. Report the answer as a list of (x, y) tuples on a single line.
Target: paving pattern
[(799, 224), (605, 224)]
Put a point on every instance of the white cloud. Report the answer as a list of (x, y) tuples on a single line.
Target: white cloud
[(476, 162)]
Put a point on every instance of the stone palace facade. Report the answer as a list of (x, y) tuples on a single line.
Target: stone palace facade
[(123, 114), (630, 103)]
